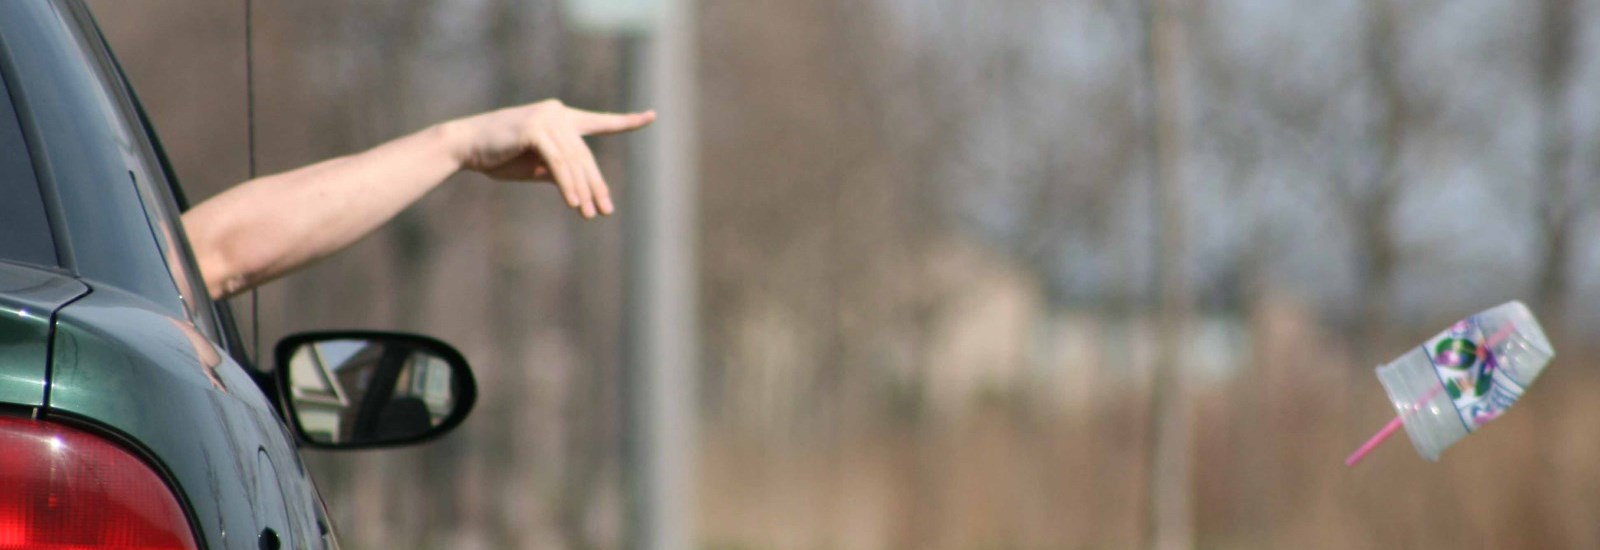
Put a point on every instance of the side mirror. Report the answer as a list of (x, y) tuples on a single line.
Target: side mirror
[(358, 389)]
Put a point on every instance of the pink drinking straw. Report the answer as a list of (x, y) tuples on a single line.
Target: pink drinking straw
[(1394, 425), (1376, 440)]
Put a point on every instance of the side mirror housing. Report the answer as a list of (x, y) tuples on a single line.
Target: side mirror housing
[(364, 389)]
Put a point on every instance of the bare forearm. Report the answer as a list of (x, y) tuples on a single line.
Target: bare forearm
[(266, 227), (269, 226)]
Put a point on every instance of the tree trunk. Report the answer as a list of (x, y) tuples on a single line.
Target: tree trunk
[(1555, 67), (1169, 518)]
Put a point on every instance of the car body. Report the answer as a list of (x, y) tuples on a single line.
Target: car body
[(114, 362)]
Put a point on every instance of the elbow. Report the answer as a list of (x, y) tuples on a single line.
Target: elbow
[(223, 264), (229, 287), (234, 250), (221, 280)]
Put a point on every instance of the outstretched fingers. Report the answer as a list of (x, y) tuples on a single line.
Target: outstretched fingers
[(576, 173), (560, 167), (573, 149), (549, 144), (594, 194), (594, 123), (591, 123), (586, 163)]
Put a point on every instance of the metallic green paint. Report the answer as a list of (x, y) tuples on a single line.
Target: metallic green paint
[(28, 298), (122, 362)]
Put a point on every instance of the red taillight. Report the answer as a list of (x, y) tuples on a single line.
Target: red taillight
[(61, 488)]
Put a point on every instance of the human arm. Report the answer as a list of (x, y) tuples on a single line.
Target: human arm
[(266, 227)]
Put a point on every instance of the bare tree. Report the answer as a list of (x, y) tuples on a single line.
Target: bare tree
[(1169, 520), (1369, 205), (1559, 204)]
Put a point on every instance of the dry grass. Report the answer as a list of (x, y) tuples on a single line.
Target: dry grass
[(1268, 472)]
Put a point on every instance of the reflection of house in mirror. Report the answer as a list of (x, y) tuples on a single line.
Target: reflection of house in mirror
[(351, 389), (325, 385), (428, 376), (354, 364)]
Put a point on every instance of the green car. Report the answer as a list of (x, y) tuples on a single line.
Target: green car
[(130, 416)]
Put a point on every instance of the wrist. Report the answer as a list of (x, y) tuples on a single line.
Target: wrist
[(446, 138)]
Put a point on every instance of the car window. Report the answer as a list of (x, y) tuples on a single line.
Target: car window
[(164, 226), (117, 217), (150, 180), (22, 218)]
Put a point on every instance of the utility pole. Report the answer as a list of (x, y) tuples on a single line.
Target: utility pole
[(660, 325)]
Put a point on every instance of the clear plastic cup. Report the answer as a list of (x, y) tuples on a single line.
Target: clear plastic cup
[(1466, 376)]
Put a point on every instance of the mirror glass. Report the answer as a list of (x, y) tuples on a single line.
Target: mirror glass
[(365, 391)]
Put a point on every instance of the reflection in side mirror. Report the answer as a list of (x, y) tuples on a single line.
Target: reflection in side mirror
[(366, 389)]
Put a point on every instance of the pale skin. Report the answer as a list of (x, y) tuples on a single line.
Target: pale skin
[(264, 228)]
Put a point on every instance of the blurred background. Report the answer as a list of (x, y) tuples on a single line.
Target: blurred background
[(992, 275)]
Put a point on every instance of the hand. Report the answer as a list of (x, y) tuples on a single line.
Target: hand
[(543, 141)]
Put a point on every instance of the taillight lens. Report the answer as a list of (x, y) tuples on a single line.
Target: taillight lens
[(63, 488)]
